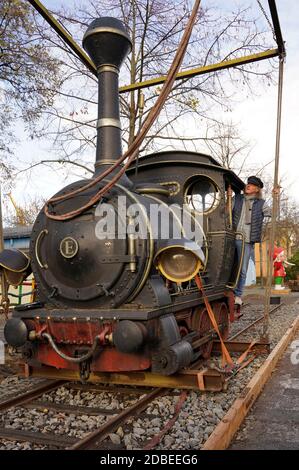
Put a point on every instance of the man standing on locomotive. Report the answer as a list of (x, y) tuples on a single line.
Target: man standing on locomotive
[(248, 214)]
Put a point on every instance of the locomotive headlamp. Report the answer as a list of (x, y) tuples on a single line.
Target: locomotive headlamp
[(179, 260), (15, 265)]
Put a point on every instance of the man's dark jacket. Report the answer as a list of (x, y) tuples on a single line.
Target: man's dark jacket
[(257, 217)]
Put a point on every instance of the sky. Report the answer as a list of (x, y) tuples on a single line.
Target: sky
[(258, 116), (255, 115)]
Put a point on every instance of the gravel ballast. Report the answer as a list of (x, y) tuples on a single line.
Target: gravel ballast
[(200, 413)]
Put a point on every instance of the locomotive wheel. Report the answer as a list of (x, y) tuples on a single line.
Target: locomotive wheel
[(223, 320), (202, 324)]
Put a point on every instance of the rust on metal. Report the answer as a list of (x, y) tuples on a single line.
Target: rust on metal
[(30, 395), (208, 379), (158, 437), (52, 440), (185, 379), (97, 388), (239, 333), (92, 439), (242, 346), (74, 409)]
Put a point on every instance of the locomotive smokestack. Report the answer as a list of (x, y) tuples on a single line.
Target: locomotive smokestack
[(108, 44)]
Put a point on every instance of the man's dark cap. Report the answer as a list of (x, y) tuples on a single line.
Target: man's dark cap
[(256, 181)]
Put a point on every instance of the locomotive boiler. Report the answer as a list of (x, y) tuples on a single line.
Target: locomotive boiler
[(114, 291)]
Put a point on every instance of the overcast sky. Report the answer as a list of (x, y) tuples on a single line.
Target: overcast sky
[(257, 118)]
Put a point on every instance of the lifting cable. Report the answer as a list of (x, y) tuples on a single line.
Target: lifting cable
[(275, 196), (226, 357), (227, 360), (132, 152)]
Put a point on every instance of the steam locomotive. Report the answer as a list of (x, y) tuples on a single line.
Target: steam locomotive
[(127, 302)]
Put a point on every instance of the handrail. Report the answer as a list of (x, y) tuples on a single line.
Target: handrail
[(234, 284)]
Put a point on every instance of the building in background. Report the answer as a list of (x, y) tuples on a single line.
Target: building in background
[(17, 237)]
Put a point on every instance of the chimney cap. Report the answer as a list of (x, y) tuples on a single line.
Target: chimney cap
[(106, 41)]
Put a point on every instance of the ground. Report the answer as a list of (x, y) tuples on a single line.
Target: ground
[(274, 421)]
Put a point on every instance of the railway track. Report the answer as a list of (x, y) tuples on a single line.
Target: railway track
[(253, 323), (226, 429), (98, 437), (6, 371), (31, 400)]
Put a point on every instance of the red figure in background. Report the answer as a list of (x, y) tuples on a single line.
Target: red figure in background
[(279, 262)]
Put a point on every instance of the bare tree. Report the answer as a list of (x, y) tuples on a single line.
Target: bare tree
[(25, 214), (29, 75), (288, 224), (155, 27), (227, 146)]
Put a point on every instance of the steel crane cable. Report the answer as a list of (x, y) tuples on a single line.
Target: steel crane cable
[(267, 19), (132, 152)]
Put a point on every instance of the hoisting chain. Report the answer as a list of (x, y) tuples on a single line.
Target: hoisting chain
[(267, 19)]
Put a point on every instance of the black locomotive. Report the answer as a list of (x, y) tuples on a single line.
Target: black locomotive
[(128, 302)]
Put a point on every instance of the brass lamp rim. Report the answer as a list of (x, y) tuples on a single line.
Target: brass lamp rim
[(199, 263)]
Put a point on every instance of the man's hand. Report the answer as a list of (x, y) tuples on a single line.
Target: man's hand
[(276, 191), (229, 191)]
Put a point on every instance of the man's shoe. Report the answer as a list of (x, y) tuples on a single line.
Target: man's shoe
[(238, 301)]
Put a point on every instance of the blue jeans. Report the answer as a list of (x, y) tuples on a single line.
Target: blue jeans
[(248, 253)]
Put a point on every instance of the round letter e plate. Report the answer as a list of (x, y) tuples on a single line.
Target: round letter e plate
[(69, 247)]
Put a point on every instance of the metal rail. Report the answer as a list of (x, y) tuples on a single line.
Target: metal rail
[(93, 439), (73, 409), (254, 323), (94, 388), (32, 394), (27, 400), (46, 439), (241, 347)]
